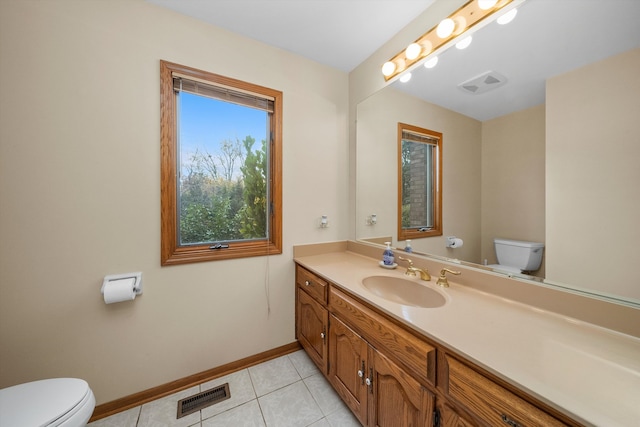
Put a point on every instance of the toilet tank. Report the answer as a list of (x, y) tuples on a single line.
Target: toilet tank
[(527, 256)]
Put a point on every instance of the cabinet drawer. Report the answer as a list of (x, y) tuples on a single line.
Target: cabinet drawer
[(312, 284), (491, 402), (391, 340)]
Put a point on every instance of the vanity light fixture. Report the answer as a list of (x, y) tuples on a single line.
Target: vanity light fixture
[(455, 28), (445, 28), (388, 68), (507, 17), (432, 62), (464, 43), (413, 51), (486, 4)]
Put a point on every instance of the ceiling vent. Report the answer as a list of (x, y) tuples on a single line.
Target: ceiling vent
[(485, 82)]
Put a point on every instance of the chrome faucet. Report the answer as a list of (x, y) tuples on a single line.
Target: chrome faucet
[(411, 270)]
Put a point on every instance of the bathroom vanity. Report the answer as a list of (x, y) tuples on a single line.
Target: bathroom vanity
[(469, 359)]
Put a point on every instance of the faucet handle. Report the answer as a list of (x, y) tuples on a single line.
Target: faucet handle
[(406, 259), (411, 271), (442, 280)]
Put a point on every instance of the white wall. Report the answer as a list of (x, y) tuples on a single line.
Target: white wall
[(592, 175), (80, 196)]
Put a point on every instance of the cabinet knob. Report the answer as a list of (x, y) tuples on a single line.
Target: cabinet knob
[(368, 381), (322, 335), (306, 282), (360, 373)]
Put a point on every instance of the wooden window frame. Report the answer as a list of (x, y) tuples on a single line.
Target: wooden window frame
[(171, 252), (415, 232)]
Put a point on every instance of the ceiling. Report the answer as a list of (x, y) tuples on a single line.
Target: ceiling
[(337, 33), (547, 38)]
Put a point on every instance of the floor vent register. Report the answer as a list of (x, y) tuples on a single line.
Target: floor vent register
[(199, 401)]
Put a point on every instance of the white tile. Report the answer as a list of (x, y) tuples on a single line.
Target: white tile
[(246, 415), (292, 406), (128, 418), (343, 417), (327, 399), (303, 364), (283, 400), (272, 375), (321, 423), (240, 388), (163, 412)]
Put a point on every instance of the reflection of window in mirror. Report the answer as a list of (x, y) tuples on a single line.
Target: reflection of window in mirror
[(419, 182)]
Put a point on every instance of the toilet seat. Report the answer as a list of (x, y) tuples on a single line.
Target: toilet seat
[(59, 402), (505, 268)]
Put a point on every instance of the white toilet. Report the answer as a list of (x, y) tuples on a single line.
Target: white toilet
[(58, 402), (517, 256)]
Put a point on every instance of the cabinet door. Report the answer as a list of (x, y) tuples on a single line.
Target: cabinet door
[(398, 400), (451, 418), (348, 367), (312, 323)]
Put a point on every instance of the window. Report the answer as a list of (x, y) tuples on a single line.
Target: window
[(419, 182), (221, 167)]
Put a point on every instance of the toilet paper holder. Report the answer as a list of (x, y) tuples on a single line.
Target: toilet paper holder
[(453, 242), (137, 286)]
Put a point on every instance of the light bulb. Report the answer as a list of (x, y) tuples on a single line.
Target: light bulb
[(507, 17), (405, 77), (388, 68), (486, 4), (413, 51), (445, 28), (426, 47), (431, 62), (464, 43), (460, 24)]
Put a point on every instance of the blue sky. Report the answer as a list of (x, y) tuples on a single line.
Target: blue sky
[(206, 122)]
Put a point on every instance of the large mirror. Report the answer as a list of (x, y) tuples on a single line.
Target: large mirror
[(550, 156)]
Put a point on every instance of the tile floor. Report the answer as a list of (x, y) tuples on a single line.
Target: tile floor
[(288, 391)]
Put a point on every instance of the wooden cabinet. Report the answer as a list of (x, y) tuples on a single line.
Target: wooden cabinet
[(312, 317), (491, 402), (315, 286), (348, 374), (404, 347), (397, 399), (447, 416), (378, 391), (386, 372)]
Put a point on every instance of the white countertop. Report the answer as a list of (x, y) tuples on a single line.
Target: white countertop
[(590, 373)]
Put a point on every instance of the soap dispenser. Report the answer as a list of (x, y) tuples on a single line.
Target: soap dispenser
[(408, 247), (387, 256)]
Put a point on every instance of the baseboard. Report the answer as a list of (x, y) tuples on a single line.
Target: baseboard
[(137, 399)]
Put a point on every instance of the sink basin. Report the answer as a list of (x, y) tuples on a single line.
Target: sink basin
[(404, 291)]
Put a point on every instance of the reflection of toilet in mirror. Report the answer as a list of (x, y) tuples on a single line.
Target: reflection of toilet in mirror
[(517, 256)]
